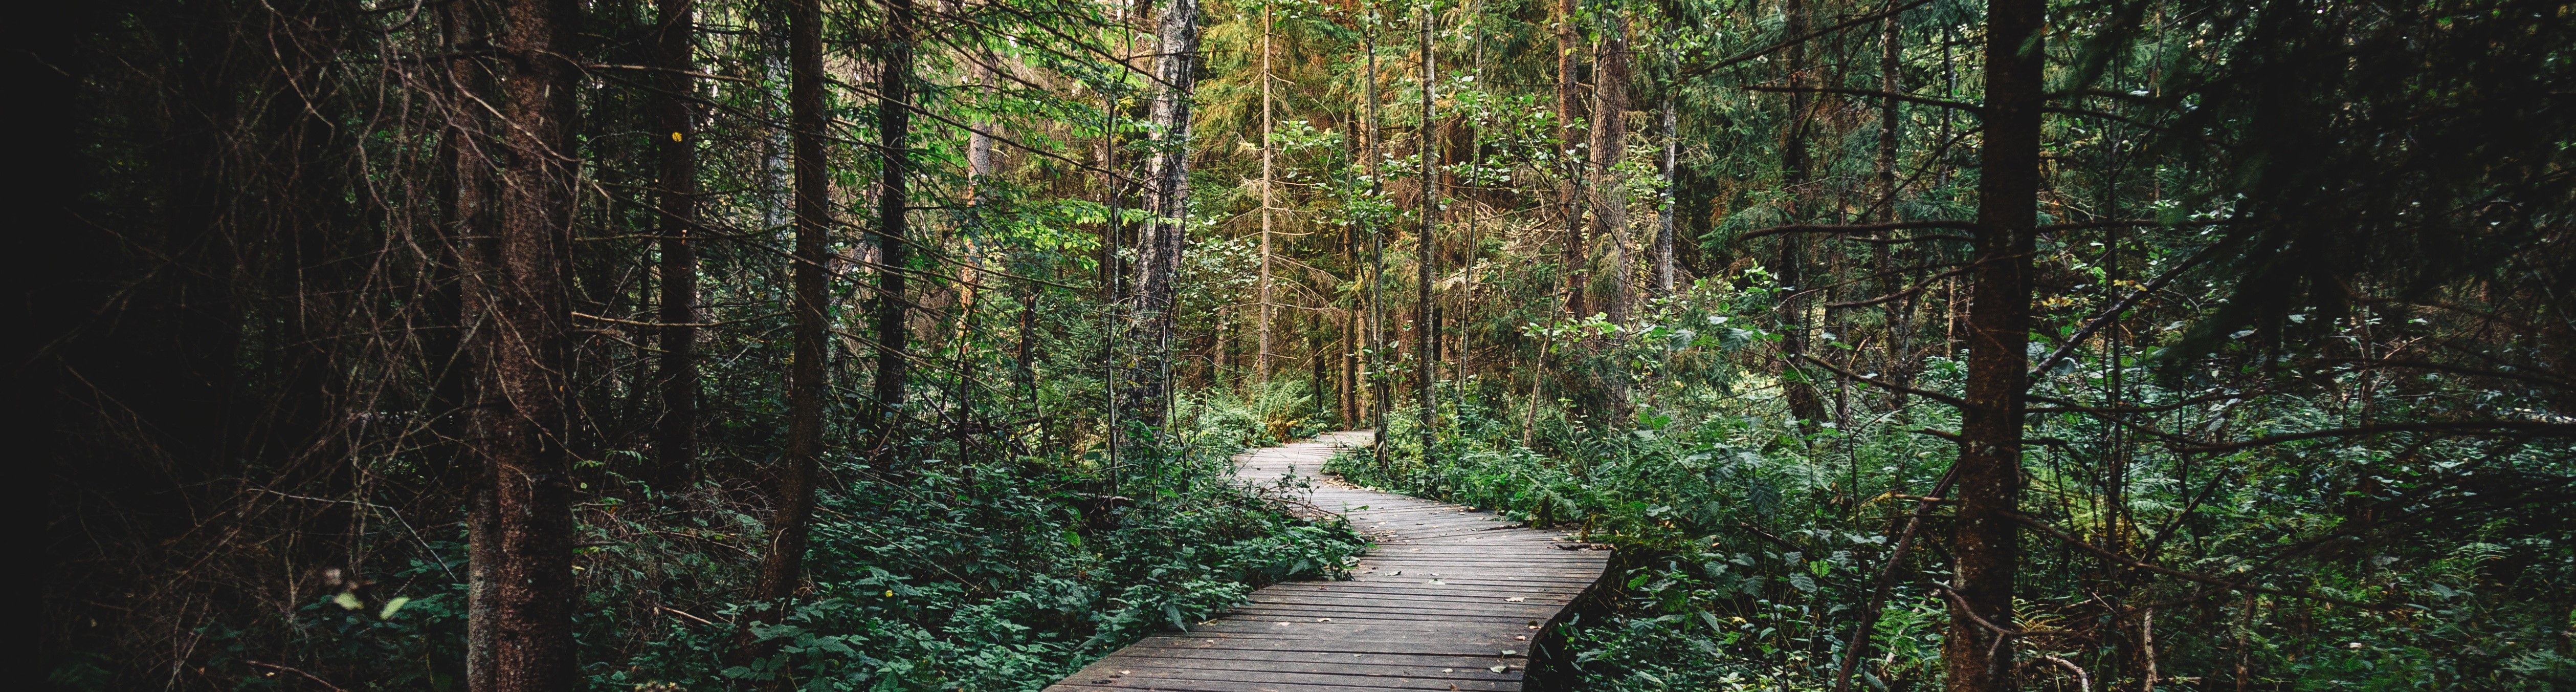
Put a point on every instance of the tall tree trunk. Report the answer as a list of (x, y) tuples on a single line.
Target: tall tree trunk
[(1569, 188), (1427, 373), (1261, 362), (1112, 276), (1350, 357), (782, 567), (893, 232), (1889, 67), (1609, 144), (472, 236), (981, 164), (1379, 389), (1984, 539), (1791, 268), (1664, 241), (526, 353), (1900, 336), (1176, 39), (675, 442)]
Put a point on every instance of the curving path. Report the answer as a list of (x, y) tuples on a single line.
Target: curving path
[(1448, 600)]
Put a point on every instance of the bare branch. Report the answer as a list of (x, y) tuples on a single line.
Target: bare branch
[(2232, 584), (2113, 313), (1908, 98), (1927, 394), (1860, 228), (2508, 428), (1748, 56)]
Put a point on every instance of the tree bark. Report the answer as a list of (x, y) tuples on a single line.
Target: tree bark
[(525, 355), (675, 441), (1792, 264), (1379, 389), (1350, 356), (470, 235), (981, 164), (1177, 40), (1984, 539), (893, 231), (1426, 355), (1609, 144), (1664, 241), (782, 567), (1900, 328), (1888, 67), (1569, 190), (1261, 361)]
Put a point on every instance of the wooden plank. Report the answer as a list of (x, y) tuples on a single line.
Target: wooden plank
[(1356, 647), (1133, 670), (1366, 646), (1447, 594), (1162, 647)]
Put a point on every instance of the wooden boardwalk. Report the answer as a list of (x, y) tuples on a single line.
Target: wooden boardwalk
[(1449, 600)]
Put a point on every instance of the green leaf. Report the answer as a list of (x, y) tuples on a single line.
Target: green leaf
[(348, 601), (393, 606)]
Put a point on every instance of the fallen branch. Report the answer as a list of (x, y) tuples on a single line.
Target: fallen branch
[(298, 671), (1886, 584), (613, 320), (685, 614), (2083, 680)]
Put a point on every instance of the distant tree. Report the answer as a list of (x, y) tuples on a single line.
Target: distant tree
[(675, 442)]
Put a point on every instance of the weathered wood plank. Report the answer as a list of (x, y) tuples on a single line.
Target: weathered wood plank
[(1449, 594)]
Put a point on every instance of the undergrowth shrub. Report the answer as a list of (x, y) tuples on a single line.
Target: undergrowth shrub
[(935, 575), (1755, 541)]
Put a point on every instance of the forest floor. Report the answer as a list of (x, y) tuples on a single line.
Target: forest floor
[(1448, 598)]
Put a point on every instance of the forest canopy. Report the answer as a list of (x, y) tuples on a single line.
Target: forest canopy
[(897, 345)]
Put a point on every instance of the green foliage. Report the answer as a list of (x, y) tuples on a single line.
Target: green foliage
[(976, 577), (1756, 539)]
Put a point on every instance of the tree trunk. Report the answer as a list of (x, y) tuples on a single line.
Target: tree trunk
[(1176, 39), (1569, 189), (1664, 241), (893, 231), (782, 567), (675, 441), (980, 162), (1261, 361), (471, 237), (1984, 539), (1609, 144), (1379, 393), (1350, 358), (1426, 356), (525, 354), (1888, 67), (1791, 268), (1900, 337)]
